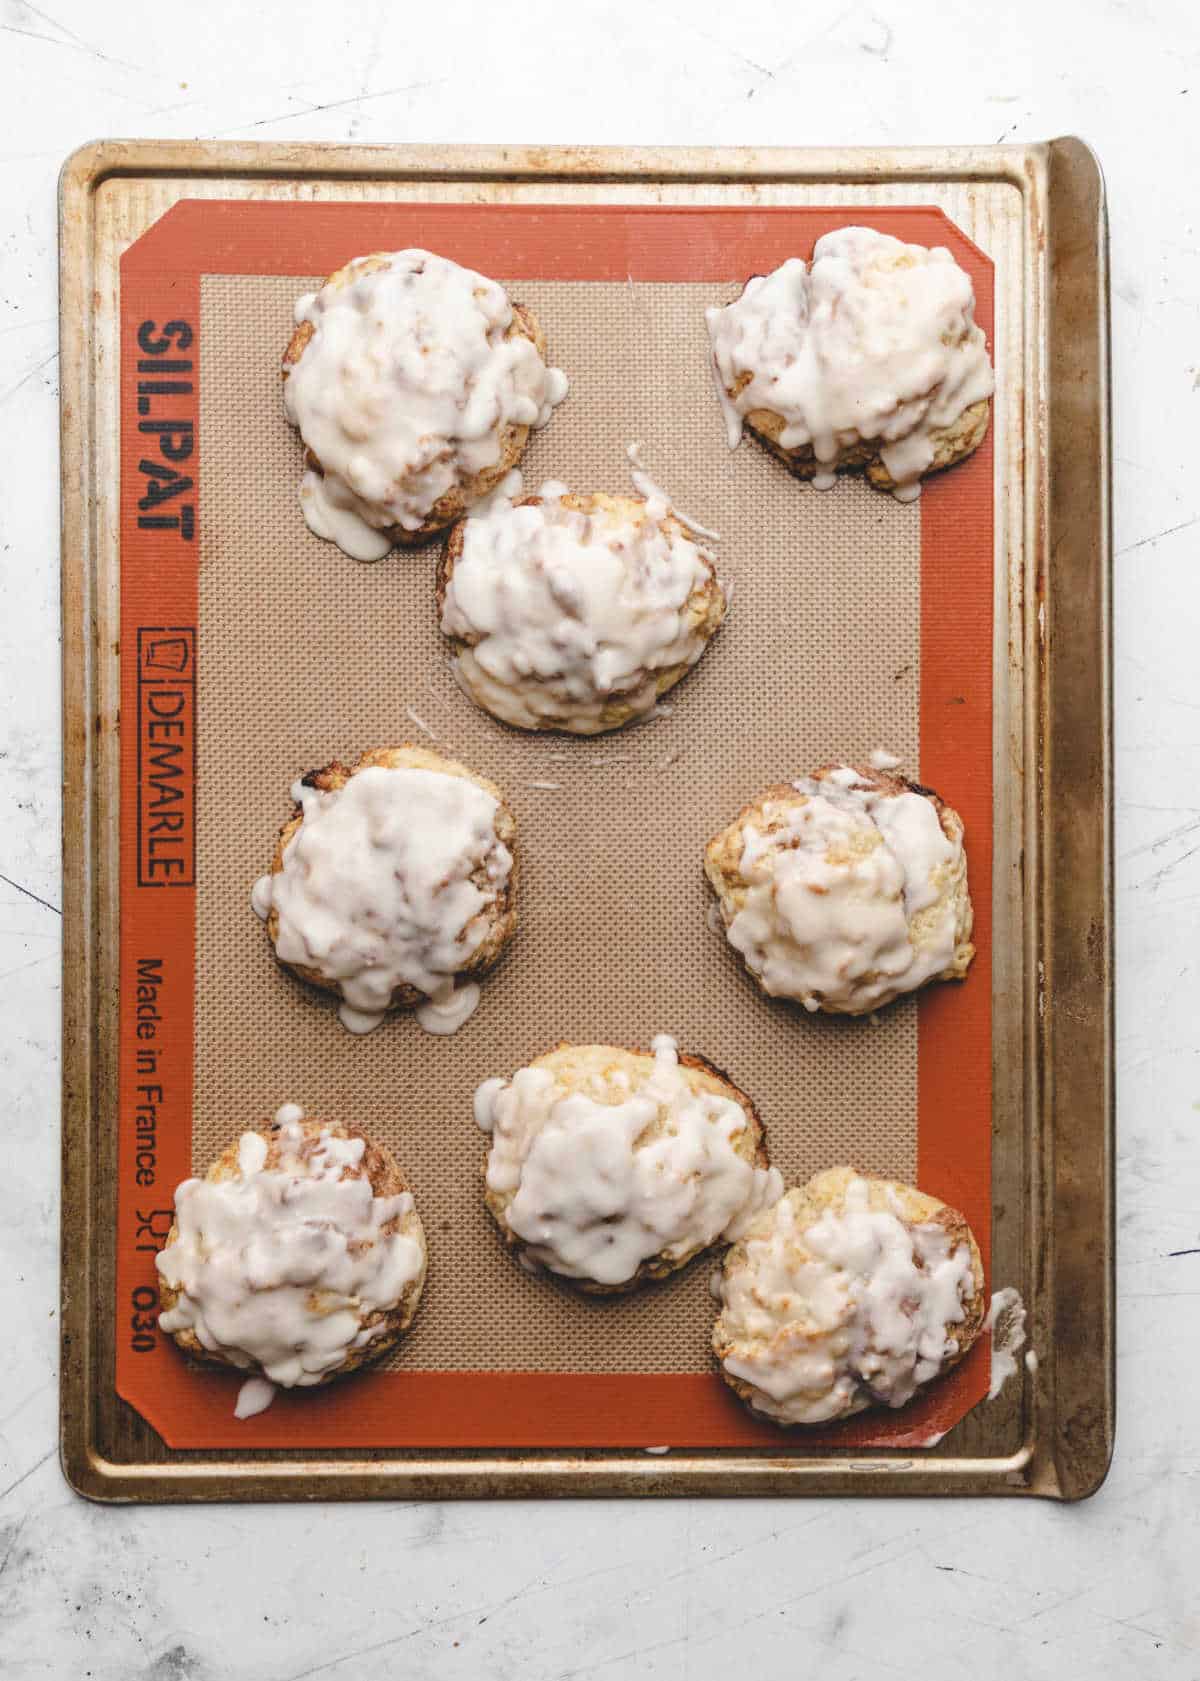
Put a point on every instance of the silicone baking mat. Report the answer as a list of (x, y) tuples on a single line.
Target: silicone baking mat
[(251, 652)]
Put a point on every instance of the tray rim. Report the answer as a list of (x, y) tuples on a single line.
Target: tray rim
[(1068, 809)]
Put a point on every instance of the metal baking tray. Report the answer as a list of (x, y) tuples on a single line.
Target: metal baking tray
[(1052, 1159)]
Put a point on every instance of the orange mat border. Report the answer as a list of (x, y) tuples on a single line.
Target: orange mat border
[(160, 285)]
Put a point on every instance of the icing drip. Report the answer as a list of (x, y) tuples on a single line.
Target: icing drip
[(1006, 1321)]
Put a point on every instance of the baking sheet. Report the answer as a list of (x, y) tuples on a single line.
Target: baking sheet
[(263, 693)]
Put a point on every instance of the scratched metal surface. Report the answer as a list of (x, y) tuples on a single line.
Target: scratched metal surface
[(1034, 211)]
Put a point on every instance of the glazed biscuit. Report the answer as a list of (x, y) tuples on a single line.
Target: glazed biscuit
[(849, 1293), (393, 885), (297, 1257), (576, 613), (871, 360), (414, 384), (845, 889), (608, 1167)]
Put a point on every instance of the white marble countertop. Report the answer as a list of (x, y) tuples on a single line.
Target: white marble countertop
[(683, 1589)]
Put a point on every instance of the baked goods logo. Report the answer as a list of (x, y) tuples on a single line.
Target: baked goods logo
[(166, 770), (166, 500)]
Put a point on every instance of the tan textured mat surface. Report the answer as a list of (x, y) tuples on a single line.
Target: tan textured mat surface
[(308, 656)]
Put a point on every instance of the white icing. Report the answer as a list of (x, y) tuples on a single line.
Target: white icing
[(260, 897), (415, 718), (276, 1270), (379, 889), (598, 1188), (403, 392), (561, 614), (449, 1008), (730, 415), (1006, 1321), (358, 1021), (331, 512), (665, 1449), (657, 500), (850, 1309), (1031, 1361), (853, 895), (255, 1396), (876, 344), (502, 496), (485, 1095), (252, 1147), (881, 759)]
